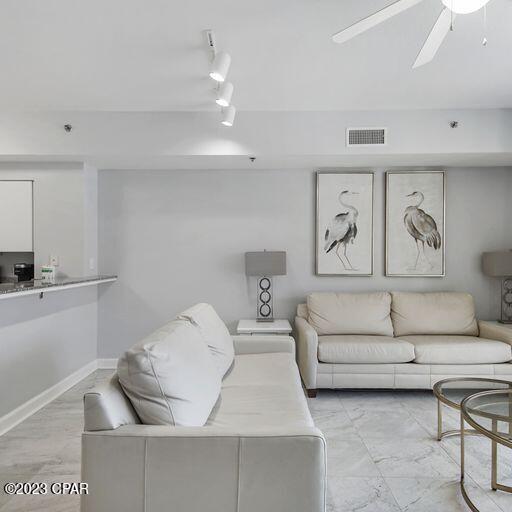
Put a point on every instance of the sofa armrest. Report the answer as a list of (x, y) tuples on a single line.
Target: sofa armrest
[(495, 331), (261, 344), (307, 352), (202, 468)]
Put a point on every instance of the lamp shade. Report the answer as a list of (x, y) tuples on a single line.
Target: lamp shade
[(265, 263), (497, 264)]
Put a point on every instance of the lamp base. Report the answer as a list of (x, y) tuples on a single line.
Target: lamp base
[(265, 308), (506, 301)]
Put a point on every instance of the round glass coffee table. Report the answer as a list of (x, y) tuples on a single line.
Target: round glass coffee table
[(452, 392), (490, 414)]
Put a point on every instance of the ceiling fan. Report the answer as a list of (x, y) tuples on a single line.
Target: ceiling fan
[(434, 40)]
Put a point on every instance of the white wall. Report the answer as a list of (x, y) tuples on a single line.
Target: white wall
[(42, 341), (178, 237), (111, 139), (58, 212), (90, 219)]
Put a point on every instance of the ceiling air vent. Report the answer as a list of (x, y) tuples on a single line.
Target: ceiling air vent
[(366, 136)]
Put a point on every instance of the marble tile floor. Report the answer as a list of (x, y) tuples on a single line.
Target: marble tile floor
[(382, 454)]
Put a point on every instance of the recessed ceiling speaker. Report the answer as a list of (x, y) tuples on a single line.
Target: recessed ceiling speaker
[(220, 66)]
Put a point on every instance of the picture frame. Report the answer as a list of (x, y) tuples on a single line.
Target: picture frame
[(344, 223), (415, 224)]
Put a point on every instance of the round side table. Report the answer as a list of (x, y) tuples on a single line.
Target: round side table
[(451, 392), (490, 414)]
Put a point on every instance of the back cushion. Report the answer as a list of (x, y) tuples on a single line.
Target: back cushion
[(106, 407), (350, 313), (170, 377), (215, 334), (302, 311), (433, 313)]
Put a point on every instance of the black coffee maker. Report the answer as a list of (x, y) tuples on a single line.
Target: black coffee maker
[(24, 271)]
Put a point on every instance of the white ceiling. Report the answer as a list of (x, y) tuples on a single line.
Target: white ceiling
[(149, 55)]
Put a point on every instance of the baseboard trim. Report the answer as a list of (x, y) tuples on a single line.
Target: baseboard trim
[(13, 418), (107, 364)]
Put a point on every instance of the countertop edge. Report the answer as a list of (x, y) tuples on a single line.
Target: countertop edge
[(78, 283)]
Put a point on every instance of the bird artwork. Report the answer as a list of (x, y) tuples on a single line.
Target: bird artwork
[(342, 231), (422, 227)]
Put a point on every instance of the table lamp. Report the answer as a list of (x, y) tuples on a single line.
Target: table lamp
[(264, 265), (499, 264)]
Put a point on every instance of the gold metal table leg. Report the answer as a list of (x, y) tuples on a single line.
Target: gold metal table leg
[(465, 495), (495, 486), (439, 420), (494, 469), (449, 433), (494, 458), (461, 448)]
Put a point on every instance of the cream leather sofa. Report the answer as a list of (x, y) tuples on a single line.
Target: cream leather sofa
[(258, 451), (396, 340)]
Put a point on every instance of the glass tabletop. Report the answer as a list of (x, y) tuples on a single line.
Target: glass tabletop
[(453, 391), (490, 412), (494, 405)]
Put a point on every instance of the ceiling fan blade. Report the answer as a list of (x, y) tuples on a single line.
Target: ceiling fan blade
[(373, 20), (435, 38)]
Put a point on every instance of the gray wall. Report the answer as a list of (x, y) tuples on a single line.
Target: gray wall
[(178, 237), (44, 341), (58, 212)]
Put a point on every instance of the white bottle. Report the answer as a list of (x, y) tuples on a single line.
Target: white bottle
[(48, 274)]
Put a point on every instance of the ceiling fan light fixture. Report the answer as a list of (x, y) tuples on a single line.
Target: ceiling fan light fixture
[(224, 94), (220, 66), (228, 115), (464, 6)]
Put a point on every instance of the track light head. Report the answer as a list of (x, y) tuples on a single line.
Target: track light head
[(228, 115), (220, 66), (224, 94)]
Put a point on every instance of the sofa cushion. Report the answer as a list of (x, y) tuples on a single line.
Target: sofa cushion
[(438, 349), (433, 313), (262, 391), (170, 377), (215, 334), (350, 313), (107, 407), (362, 349), (302, 311)]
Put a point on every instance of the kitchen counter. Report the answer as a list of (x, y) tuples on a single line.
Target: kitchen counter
[(8, 290)]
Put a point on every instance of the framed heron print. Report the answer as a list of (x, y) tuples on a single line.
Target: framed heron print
[(344, 223), (415, 220)]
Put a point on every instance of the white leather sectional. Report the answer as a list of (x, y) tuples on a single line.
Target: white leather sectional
[(396, 340), (258, 450)]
